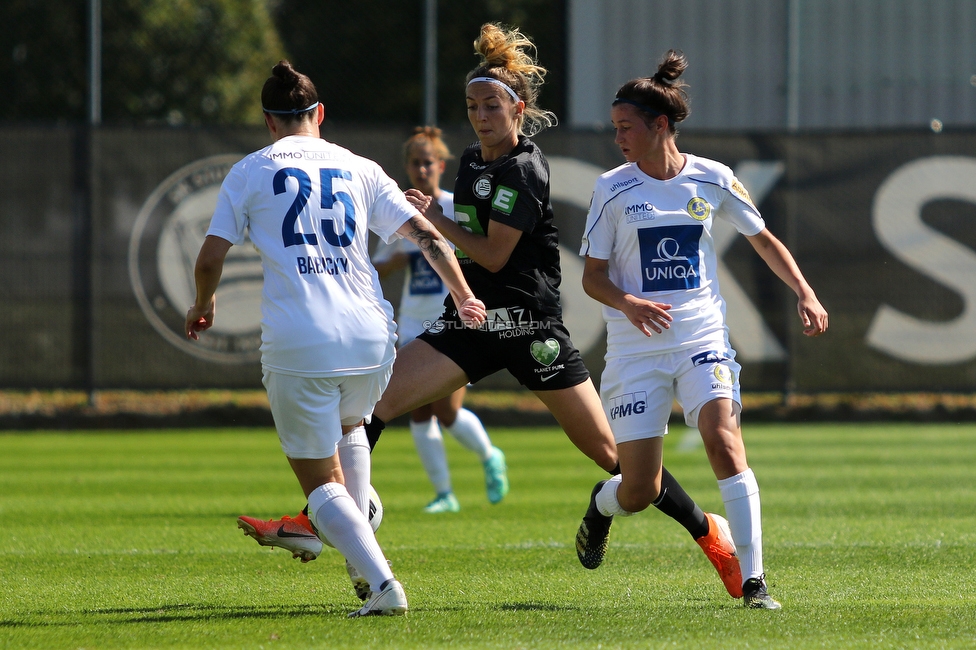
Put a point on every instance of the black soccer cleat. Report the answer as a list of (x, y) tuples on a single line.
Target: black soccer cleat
[(593, 534), (755, 596)]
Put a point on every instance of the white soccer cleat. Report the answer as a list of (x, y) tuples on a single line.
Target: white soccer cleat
[(390, 601)]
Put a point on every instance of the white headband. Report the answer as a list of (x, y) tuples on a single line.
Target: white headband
[(492, 80)]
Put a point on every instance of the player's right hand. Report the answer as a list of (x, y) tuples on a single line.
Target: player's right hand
[(420, 201), (646, 315), (198, 320)]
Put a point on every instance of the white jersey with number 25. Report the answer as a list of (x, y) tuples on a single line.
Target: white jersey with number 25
[(307, 204)]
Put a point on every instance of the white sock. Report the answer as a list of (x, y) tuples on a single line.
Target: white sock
[(430, 446), (606, 499), (468, 430), (740, 493), (356, 469), (338, 520)]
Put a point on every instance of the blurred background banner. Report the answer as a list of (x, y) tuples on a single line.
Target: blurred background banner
[(881, 223), (851, 122)]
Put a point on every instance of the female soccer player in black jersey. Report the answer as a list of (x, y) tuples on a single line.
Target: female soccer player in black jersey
[(507, 247)]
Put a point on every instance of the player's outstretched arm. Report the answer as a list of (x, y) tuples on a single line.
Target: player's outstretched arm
[(780, 260), (206, 274), (439, 254), (491, 250)]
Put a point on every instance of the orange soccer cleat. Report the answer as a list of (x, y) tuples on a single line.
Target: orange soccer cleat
[(292, 534), (720, 551)]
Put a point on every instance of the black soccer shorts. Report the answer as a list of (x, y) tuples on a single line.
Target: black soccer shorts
[(535, 349)]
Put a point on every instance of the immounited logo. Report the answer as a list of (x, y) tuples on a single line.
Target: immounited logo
[(163, 247)]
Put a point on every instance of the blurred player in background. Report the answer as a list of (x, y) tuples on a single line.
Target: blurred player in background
[(651, 260), (421, 302), (507, 246), (327, 334)]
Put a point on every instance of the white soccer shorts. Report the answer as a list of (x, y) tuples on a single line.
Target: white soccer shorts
[(638, 392), (309, 412)]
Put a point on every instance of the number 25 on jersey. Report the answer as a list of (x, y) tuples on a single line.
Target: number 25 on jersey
[(289, 236)]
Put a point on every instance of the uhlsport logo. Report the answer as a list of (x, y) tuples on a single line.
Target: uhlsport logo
[(168, 233), (628, 404)]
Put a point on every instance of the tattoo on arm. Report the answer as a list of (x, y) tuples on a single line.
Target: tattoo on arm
[(425, 240)]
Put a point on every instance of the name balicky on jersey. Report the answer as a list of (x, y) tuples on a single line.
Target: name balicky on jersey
[(312, 265)]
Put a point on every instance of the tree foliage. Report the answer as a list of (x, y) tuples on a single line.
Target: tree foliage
[(43, 59), (172, 61), (204, 61), (366, 58)]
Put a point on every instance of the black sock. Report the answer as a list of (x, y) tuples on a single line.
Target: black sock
[(675, 503), (311, 523), (616, 469), (374, 428)]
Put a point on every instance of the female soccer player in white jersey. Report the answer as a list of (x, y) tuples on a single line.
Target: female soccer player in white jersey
[(507, 246), (421, 303), (651, 261), (327, 334)]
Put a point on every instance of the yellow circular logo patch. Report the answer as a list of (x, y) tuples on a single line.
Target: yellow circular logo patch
[(724, 375), (699, 209)]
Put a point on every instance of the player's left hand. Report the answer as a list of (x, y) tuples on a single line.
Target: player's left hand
[(813, 316), (472, 313)]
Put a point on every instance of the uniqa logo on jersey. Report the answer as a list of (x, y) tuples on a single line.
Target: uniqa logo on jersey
[(165, 241)]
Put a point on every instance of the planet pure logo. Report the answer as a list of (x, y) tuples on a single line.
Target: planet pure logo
[(545, 352), (166, 237)]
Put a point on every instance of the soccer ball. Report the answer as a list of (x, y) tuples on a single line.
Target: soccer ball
[(375, 509), (375, 512)]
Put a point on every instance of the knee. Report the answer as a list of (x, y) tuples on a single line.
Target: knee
[(636, 497), (723, 441), (422, 413), (446, 415), (727, 456)]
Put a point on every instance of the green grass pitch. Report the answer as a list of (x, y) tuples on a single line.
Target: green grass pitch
[(129, 540)]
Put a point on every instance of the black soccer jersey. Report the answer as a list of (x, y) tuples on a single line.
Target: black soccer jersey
[(513, 190)]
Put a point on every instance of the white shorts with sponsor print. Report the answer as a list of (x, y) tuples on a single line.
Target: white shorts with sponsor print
[(309, 412), (638, 392)]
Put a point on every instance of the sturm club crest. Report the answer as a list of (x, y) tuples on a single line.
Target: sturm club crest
[(166, 238), (482, 187)]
